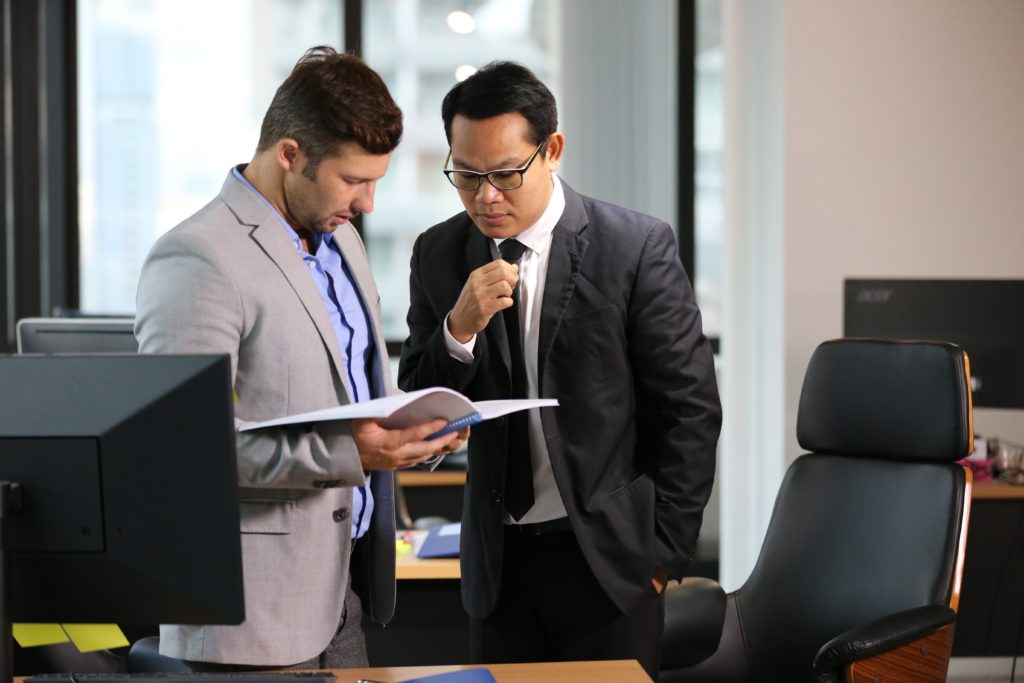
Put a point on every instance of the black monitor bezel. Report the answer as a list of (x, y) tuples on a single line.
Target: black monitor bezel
[(162, 433), (982, 316)]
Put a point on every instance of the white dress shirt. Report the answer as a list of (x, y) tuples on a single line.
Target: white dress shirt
[(533, 268)]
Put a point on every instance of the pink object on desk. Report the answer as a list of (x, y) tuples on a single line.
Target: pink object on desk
[(981, 470)]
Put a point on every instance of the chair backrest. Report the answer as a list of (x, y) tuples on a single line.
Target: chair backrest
[(871, 521)]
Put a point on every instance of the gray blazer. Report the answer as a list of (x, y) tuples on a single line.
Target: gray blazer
[(229, 280)]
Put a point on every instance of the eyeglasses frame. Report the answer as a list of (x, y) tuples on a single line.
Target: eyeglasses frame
[(480, 177)]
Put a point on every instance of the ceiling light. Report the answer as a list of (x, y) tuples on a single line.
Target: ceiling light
[(465, 71), (461, 22)]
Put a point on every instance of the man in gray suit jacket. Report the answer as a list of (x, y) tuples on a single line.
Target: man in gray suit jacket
[(272, 273), (577, 515)]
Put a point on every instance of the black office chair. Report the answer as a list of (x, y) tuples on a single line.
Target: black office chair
[(859, 573), (145, 657), (65, 657)]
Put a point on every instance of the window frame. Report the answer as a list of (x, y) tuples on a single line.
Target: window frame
[(39, 244)]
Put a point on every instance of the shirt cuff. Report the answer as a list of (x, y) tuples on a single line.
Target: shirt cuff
[(457, 350)]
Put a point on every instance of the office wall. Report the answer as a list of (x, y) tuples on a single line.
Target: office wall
[(904, 157)]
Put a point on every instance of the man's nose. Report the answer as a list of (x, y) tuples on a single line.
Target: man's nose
[(488, 194), (363, 202)]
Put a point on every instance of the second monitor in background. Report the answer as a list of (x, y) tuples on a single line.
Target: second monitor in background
[(77, 335), (982, 316)]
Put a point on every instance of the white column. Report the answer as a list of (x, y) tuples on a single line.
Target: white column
[(751, 453)]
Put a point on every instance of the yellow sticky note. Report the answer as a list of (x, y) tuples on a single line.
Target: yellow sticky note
[(89, 637), (34, 635)]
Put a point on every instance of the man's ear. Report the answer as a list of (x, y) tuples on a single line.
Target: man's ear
[(288, 155), (553, 154)]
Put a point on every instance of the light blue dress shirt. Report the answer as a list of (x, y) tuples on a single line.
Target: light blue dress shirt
[(351, 325)]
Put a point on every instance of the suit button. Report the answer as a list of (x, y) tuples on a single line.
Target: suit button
[(501, 421), (340, 515), (495, 495)]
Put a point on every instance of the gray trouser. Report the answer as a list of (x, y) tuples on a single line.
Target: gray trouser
[(347, 648)]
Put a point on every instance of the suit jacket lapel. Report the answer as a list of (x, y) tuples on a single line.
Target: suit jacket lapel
[(567, 249), (276, 244)]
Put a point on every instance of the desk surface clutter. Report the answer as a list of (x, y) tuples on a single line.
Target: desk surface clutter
[(408, 566), (617, 671)]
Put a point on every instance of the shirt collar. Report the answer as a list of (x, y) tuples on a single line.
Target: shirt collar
[(315, 238), (537, 237)]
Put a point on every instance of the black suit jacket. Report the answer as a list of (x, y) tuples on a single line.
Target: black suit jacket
[(632, 443)]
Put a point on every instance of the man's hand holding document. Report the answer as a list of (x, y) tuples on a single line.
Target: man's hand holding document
[(416, 407)]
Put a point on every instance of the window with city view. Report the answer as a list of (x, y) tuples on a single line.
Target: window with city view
[(171, 94), (422, 48)]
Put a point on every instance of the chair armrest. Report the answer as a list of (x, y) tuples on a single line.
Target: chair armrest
[(694, 614), (881, 635)]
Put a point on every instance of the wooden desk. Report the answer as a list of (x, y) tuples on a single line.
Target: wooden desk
[(992, 594), (429, 627), (408, 566), (617, 671), (614, 671), (435, 478), (429, 494), (996, 490)]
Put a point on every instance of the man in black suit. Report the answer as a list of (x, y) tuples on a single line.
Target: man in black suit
[(576, 516)]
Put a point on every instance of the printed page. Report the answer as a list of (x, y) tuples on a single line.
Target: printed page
[(492, 409), (406, 410)]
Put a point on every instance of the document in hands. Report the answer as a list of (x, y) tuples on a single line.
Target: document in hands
[(416, 407)]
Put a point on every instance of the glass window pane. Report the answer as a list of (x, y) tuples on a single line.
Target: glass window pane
[(171, 94), (416, 49), (708, 200)]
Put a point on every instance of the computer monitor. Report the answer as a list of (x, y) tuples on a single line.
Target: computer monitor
[(985, 317), (76, 335), (128, 489)]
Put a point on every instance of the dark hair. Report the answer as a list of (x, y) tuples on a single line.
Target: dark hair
[(502, 88), (329, 99)]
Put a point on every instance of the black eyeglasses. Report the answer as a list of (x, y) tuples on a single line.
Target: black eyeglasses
[(501, 179)]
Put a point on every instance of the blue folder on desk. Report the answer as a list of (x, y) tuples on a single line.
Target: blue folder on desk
[(441, 541), (465, 676)]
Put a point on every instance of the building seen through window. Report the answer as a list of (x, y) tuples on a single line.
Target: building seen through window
[(422, 48), (171, 94), (708, 146)]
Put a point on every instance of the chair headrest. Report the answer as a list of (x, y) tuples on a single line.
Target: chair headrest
[(887, 399)]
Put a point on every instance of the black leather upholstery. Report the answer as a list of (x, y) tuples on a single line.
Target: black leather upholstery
[(698, 623), (869, 397), (880, 636), (728, 663), (145, 657), (858, 537)]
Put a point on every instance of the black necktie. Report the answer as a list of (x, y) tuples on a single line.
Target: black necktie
[(519, 469)]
